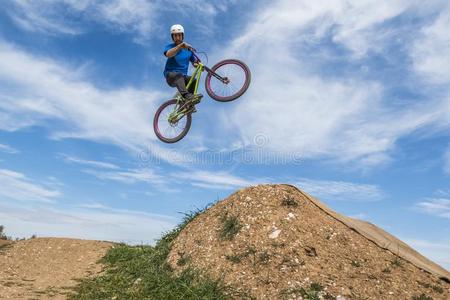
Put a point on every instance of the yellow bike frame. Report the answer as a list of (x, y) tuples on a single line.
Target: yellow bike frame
[(197, 75)]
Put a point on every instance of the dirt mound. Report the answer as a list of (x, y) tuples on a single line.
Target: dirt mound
[(41, 268), (276, 242), (4, 243)]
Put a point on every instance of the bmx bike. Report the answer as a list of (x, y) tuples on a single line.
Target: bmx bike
[(225, 81)]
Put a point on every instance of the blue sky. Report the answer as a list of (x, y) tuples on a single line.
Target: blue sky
[(350, 101)]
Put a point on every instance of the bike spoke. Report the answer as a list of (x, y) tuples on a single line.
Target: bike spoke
[(167, 129), (235, 74)]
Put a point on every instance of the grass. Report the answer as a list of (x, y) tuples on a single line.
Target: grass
[(264, 257), (396, 262), (233, 258), (435, 288), (141, 272), (289, 201), (421, 297), (314, 292), (230, 227), (183, 260), (3, 236), (356, 263)]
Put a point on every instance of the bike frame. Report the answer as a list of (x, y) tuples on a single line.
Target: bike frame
[(176, 114), (197, 74)]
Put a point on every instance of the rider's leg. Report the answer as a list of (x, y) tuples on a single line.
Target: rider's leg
[(192, 86), (175, 79)]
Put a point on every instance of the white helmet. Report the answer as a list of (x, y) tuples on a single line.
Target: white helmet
[(177, 28)]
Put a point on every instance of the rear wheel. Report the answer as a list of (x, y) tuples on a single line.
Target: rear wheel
[(169, 124), (236, 80)]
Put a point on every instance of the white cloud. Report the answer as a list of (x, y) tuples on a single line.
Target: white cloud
[(435, 206), (89, 222), (442, 193), (340, 190), (17, 186), (39, 17), (139, 17), (215, 180), (54, 17), (92, 163), (130, 176), (431, 50), (198, 178), (128, 15), (8, 149), (47, 90), (344, 118)]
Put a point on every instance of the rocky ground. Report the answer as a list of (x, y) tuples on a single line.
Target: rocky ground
[(44, 268), (272, 242)]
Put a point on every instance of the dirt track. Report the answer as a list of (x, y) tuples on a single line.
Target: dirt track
[(43, 268)]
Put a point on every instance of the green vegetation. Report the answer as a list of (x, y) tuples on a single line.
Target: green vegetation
[(396, 262), (2, 234), (233, 258), (435, 288), (289, 201), (141, 272), (183, 260), (264, 257), (230, 227), (356, 263), (314, 292), (421, 297)]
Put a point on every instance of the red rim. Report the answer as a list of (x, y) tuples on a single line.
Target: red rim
[(241, 91), (157, 129)]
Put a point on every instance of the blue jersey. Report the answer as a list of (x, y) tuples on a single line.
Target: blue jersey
[(180, 62)]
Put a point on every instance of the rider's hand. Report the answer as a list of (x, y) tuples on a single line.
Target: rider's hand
[(185, 45)]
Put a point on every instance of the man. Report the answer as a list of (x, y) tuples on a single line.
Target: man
[(178, 56)]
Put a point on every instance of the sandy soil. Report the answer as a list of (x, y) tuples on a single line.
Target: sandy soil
[(43, 268)]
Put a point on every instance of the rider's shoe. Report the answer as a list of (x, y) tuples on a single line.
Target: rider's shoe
[(197, 98), (188, 108), (194, 99)]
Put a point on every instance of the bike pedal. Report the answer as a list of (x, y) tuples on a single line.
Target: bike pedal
[(192, 109)]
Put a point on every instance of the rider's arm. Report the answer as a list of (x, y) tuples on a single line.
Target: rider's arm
[(193, 60), (172, 52)]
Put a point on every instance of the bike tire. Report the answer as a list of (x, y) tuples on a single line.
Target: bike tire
[(158, 131), (236, 95)]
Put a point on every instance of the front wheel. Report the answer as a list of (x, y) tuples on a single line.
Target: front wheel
[(170, 124), (234, 80)]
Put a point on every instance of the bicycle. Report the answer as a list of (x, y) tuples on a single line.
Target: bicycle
[(221, 78)]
